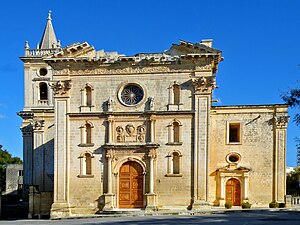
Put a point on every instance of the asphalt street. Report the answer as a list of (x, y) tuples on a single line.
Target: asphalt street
[(230, 218)]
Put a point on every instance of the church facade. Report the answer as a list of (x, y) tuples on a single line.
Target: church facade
[(104, 131)]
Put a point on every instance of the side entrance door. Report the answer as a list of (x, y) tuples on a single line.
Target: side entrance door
[(233, 192), (131, 185)]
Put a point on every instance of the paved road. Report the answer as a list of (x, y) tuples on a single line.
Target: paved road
[(230, 218)]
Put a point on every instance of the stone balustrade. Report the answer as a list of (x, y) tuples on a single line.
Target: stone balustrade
[(296, 201), (40, 52)]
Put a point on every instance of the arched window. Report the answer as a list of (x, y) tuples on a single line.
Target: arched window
[(43, 91), (86, 134), (87, 98), (174, 163), (86, 168), (88, 164), (176, 94), (175, 132), (88, 93)]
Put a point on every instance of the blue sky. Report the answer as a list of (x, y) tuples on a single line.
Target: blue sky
[(260, 40)]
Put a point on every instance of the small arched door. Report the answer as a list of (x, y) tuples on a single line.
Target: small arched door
[(131, 185), (233, 192)]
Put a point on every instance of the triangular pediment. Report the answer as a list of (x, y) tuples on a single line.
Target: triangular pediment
[(184, 48)]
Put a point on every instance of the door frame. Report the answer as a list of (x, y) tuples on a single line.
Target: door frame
[(116, 170)]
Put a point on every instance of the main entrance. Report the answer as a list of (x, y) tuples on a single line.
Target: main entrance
[(233, 192), (131, 185)]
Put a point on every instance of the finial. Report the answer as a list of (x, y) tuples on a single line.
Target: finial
[(58, 44), (26, 45), (49, 15)]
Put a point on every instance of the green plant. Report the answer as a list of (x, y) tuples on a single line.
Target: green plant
[(228, 205), (273, 204), (281, 205), (246, 205)]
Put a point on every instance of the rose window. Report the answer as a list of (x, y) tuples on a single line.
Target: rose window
[(132, 95)]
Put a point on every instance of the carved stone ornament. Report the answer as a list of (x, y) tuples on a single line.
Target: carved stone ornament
[(130, 129), (135, 70), (141, 130), (120, 134), (110, 154), (61, 87), (130, 133), (204, 84), (151, 103), (281, 121), (109, 104), (37, 124), (152, 154)]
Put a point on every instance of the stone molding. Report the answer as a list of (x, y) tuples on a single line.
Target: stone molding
[(134, 70)]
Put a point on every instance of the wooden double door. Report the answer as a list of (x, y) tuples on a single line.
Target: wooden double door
[(233, 192), (131, 194)]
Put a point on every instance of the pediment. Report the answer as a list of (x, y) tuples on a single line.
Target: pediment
[(229, 169), (77, 50), (184, 48)]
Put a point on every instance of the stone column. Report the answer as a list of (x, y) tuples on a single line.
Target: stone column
[(110, 129), (109, 197), (152, 129), (60, 207), (279, 167), (203, 87), (151, 201)]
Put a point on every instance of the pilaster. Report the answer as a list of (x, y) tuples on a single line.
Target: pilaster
[(27, 155), (279, 156), (203, 87), (38, 153), (60, 207)]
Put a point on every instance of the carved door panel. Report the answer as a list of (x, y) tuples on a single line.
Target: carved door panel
[(131, 185), (233, 192)]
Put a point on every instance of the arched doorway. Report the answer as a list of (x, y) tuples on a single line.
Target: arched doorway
[(131, 194), (233, 192)]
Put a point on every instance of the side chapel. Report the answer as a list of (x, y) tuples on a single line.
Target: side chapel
[(104, 131)]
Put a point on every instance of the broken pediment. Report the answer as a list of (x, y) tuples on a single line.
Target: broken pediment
[(184, 48), (76, 50)]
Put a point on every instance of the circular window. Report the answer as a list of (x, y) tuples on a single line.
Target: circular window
[(233, 158), (131, 94), (43, 71)]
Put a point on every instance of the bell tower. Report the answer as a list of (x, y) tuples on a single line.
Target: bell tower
[(38, 118)]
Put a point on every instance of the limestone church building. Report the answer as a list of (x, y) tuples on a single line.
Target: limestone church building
[(104, 131)]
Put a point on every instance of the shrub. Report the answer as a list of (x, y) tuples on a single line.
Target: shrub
[(281, 205), (273, 204), (246, 205), (228, 205)]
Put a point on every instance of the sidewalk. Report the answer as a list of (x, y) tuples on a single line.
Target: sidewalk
[(141, 213)]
